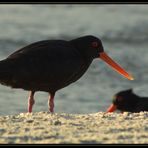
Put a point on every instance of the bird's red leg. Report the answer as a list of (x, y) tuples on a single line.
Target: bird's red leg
[(31, 101), (51, 103)]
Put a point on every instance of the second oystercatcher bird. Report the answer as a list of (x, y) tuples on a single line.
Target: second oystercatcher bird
[(50, 65), (128, 101)]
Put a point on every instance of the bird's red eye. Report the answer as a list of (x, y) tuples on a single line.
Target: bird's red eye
[(94, 44), (119, 98)]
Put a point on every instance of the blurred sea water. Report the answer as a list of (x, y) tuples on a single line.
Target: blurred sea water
[(123, 30)]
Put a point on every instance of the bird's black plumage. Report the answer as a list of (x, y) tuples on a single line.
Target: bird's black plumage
[(128, 101), (48, 65)]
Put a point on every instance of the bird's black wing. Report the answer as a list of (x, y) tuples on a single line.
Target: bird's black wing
[(46, 65), (142, 105)]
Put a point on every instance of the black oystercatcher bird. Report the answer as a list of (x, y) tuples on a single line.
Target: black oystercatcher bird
[(128, 101), (50, 65)]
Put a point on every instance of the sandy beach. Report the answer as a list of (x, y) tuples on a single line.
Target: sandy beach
[(96, 128)]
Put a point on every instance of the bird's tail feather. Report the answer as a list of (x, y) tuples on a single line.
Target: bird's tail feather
[(5, 71)]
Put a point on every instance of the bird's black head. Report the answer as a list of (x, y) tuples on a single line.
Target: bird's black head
[(91, 47), (124, 101)]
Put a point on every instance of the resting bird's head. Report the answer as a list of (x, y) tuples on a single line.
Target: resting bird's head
[(123, 101)]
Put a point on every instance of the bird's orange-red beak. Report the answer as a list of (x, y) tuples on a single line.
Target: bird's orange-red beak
[(115, 66), (111, 108)]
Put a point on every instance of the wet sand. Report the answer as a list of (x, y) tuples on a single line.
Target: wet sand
[(97, 128)]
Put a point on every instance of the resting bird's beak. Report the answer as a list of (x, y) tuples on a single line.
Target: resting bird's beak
[(115, 66), (111, 108)]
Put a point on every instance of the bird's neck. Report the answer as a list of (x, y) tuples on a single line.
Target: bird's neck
[(82, 50), (136, 98)]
